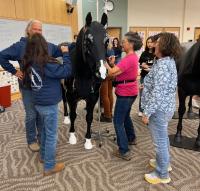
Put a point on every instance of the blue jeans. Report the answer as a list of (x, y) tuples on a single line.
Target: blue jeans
[(141, 90), (122, 122), (158, 124), (32, 119), (49, 116)]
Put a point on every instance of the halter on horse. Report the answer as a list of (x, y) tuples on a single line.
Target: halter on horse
[(87, 58), (188, 84)]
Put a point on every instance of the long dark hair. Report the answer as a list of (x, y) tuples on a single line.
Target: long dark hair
[(36, 52), (146, 47), (118, 43)]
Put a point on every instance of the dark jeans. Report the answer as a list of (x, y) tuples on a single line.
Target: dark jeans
[(32, 118), (122, 122)]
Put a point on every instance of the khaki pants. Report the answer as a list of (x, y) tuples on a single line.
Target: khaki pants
[(106, 95)]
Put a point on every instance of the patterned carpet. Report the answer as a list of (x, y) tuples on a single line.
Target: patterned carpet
[(93, 170)]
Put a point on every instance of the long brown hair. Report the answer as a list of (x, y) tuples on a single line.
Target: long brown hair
[(36, 52)]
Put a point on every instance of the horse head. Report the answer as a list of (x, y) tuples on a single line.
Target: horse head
[(91, 49)]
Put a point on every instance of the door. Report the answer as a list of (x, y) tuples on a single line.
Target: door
[(196, 33), (114, 32)]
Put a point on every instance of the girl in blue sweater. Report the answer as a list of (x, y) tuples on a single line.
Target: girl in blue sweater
[(43, 73)]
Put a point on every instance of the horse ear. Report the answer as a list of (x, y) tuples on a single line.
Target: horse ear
[(88, 19), (104, 19)]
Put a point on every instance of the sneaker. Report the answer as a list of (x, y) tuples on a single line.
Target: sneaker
[(2, 109), (140, 114), (152, 163), (195, 103), (126, 156), (34, 147), (57, 168), (134, 142), (105, 119), (153, 178)]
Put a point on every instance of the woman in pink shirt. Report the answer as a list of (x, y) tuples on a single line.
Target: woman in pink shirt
[(125, 73)]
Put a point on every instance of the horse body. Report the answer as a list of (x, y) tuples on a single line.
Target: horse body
[(188, 84), (87, 59)]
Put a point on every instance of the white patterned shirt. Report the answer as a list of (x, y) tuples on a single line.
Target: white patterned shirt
[(159, 91)]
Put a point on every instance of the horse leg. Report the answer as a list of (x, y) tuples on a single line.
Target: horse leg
[(64, 98), (197, 142), (181, 110), (190, 113), (90, 103), (72, 106), (190, 105)]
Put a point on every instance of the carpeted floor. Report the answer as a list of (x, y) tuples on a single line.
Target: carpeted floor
[(93, 170)]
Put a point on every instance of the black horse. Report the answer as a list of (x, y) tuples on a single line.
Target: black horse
[(188, 85), (88, 67)]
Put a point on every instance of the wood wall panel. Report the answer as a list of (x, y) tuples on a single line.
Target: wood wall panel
[(28, 9), (56, 12), (7, 8), (73, 20), (48, 11)]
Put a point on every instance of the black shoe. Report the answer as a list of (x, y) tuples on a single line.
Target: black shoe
[(105, 119), (134, 142), (126, 156)]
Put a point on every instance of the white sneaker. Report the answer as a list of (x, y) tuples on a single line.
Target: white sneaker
[(195, 103), (140, 114), (152, 163)]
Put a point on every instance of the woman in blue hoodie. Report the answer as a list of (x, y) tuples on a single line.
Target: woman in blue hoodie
[(43, 73)]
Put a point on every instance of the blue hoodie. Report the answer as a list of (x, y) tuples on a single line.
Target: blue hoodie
[(46, 87), (16, 53)]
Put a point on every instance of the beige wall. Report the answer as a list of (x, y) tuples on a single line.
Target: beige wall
[(162, 13), (192, 17)]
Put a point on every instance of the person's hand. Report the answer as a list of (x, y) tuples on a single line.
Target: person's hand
[(64, 49), (144, 65), (111, 60), (145, 119), (106, 65), (19, 74), (141, 86)]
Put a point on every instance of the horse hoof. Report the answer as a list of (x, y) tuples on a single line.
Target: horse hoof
[(72, 139), (197, 144), (88, 144), (66, 120), (177, 139)]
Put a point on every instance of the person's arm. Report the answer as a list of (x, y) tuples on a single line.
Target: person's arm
[(160, 82), (54, 50), (143, 61), (60, 70), (112, 71), (11, 53)]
